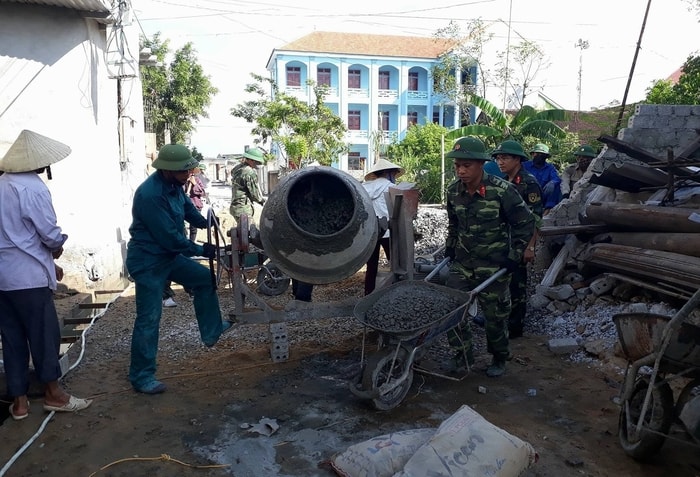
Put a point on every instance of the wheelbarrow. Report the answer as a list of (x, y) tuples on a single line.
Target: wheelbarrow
[(387, 374), (648, 409)]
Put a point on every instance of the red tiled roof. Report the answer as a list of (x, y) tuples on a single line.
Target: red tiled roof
[(370, 45), (675, 76)]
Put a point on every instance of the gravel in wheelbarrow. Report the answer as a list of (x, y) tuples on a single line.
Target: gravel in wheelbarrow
[(409, 306)]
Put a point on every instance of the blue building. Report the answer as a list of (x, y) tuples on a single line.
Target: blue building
[(379, 85)]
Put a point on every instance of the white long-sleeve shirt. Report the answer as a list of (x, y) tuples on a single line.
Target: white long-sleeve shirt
[(376, 189), (28, 233)]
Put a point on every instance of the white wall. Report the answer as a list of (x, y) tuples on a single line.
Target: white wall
[(54, 81)]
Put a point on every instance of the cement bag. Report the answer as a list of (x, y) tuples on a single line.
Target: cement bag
[(466, 444), (381, 456)]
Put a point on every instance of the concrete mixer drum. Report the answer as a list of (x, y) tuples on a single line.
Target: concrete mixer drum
[(318, 225)]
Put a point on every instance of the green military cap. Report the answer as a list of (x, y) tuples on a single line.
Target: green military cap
[(256, 154), (541, 148), (512, 148), (585, 151), (175, 157), (468, 147)]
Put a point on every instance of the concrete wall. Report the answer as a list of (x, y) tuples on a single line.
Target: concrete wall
[(55, 80)]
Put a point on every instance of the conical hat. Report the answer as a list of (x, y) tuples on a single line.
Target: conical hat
[(383, 165), (32, 151)]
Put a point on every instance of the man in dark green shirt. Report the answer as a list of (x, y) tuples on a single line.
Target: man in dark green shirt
[(159, 251)]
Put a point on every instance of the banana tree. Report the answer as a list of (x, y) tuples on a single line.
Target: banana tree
[(526, 123)]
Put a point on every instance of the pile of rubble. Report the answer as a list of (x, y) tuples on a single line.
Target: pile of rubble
[(626, 241)]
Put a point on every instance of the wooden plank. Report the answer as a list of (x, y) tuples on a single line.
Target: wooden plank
[(552, 274)]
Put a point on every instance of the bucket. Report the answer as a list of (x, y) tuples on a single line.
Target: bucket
[(318, 225)]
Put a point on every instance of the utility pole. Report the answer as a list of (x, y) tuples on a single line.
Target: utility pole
[(582, 45), (505, 81)]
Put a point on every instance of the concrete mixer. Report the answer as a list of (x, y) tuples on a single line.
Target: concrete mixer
[(318, 226)]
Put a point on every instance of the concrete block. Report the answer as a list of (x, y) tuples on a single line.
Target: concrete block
[(279, 352), (664, 109), (682, 110), (602, 285), (559, 292), (278, 332), (562, 345)]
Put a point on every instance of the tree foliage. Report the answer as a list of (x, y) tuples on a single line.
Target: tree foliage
[(304, 131), (420, 154), (517, 69), (465, 57), (527, 122), (685, 91), (177, 95)]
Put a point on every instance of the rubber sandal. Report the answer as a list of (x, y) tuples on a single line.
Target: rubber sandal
[(74, 404), (17, 417)]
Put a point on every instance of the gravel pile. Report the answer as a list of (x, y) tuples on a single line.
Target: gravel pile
[(410, 307)]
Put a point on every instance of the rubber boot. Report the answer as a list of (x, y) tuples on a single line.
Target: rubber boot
[(516, 321)]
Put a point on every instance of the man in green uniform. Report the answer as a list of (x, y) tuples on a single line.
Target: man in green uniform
[(244, 182), (158, 252), (574, 172), (510, 156), (488, 228)]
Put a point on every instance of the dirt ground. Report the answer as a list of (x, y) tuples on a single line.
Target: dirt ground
[(203, 421)]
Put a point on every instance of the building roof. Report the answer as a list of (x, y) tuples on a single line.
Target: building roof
[(369, 45), (97, 6), (675, 76)]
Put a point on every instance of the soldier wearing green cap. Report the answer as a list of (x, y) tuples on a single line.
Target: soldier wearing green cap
[(245, 189), (510, 156), (158, 251), (489, 227), (574, 172)]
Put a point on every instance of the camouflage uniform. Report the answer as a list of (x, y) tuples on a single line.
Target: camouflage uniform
[(486, 230), (529, 189), (245, 190)]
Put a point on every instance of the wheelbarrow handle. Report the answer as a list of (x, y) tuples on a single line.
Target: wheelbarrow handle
[(437, 268), (489, 281)]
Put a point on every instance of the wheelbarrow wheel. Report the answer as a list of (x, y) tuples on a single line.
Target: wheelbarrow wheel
[(379, 371), (655, 426), (271, 281)]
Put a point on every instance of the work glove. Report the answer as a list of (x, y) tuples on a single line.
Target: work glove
[(209, 250), (511, 265), (450, 253)]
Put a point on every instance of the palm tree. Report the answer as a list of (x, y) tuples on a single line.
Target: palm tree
[(527, 122)]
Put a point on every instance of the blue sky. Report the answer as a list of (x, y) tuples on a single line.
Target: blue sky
[(234, 38)]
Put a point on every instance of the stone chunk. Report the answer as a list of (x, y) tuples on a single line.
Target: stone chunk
[(562, 345)]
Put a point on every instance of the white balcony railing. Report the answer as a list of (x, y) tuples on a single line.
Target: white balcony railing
[(357, 93), (388, 93), (355, 135), (416, 95), (296, 91)]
